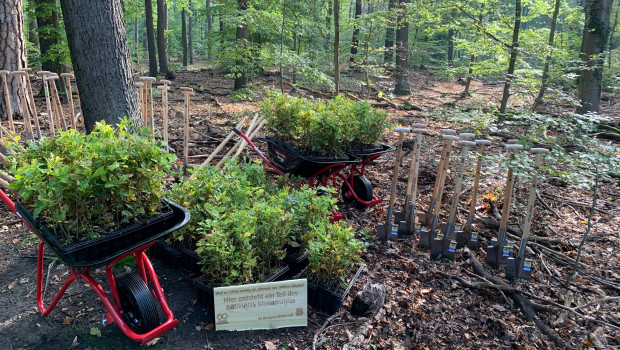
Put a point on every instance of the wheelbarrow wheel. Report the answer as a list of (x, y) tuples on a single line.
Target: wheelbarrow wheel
[(361, 187), (137, 303)]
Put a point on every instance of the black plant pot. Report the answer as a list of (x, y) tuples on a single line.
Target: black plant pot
[(166, 254), (296, 263), (325, 299), (205, 292), (190, 261)]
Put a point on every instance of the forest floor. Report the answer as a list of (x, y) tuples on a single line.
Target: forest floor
[(429, 304)]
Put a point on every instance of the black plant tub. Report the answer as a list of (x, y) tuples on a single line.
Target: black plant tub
[(103, 249), (290, 161), (328, 300), (205, 292), (166, 254), (296, 263), (370, 151)]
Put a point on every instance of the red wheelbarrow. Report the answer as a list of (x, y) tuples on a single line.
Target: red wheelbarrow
[(134, 305), (284, 159)]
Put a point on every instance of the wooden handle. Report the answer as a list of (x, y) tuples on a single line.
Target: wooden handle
[(399, 151)]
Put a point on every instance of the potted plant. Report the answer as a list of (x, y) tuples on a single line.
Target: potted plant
[(93, 188), (333, 266)]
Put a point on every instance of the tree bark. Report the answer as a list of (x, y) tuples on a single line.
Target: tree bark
[(100, 56), (336, 47), (450, 46), (356, 30), (190, 34), (241, 79), (33, 36), (136, 36), (184, 36), (47, 16), (150, 36), (161, 36), (511, 64), (402, 51), (328, 22), (388, 55), (209, 29), (596, 31), (545, 75), (12, 51)]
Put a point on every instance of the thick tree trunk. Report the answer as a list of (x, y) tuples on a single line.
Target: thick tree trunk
[(241, 79), (184, 36), (47, 22), (356, 30), (12, 51), (596, 31), (190, 34), (150, 35), (470, 73), (100, 56), (136, 36), (545, 74), (450, 46), (402, 51), (208, 34), (161, 37), (33, 36), (336, 47), (511, 64), (388, 55)]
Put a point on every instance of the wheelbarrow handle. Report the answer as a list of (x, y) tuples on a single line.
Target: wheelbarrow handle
[(258, 152), (9, 203)]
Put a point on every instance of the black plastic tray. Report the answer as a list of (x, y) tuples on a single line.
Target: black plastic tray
[(324, 299), (165, 253), (296, 263), (368, 152), (205, 292), (101, 250), (290, 161)]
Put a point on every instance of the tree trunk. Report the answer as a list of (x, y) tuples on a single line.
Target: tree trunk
[(161, 37), (100, 56), (450, 46), (209, 29), (33, 36), (184, 36), (356, 29), (513, 61), (328, 22), (150, 35), (241, 78), (470, 73), (49, 37), (388, 55), (596, 31), (545, 74), (190, 34), (402, 51), (336, 47), (610, 47), (136, 36), (12, 51)]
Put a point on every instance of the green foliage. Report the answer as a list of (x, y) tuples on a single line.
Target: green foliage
[(333, 253), (83, 186), (326, 129), (242, 224)]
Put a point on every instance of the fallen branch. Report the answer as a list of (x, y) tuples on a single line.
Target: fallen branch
[(327, 322), (547, 206), (491, 223), (525, 304)]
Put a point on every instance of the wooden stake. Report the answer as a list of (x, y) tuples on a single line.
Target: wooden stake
[(55, 103), (7, 99), (66, 78), (141, 95), (33, 105), (21, 149), (21, 92), (48, 103), (239, 143), (149, 97), (187, 91), (164, 100)]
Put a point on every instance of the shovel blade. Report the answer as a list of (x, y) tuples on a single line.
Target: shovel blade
[(436, 247), (425, 239), (492, 255), (472, 243)]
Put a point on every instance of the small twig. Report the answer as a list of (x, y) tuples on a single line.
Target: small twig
[(327, 322), (547, 206), (597, 301)]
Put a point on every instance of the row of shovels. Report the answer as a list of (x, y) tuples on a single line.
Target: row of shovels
[(443, 239), (52, 100)]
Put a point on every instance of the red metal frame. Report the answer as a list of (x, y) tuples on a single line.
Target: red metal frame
[(331, 172), (115, 313)]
